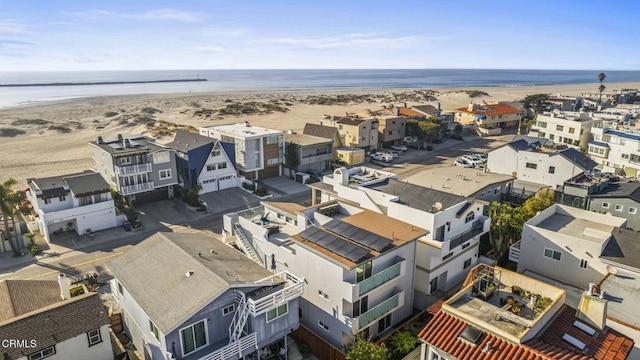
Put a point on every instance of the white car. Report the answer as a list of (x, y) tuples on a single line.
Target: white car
[(390, 152), (399, 147), (382, 157), (462, 163), (481, 156), (474, 160)]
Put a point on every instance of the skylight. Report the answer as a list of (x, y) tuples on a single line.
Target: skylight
[(575, 342), (584, 327)]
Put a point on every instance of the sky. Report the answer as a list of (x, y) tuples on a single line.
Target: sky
[(67, 35)]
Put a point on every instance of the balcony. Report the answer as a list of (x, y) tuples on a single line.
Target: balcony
[(477, 228), (316, 158), (137, 188), (133, 169), (292, 289), (235, 350), (514, 252), (380, 278), (376, 312)]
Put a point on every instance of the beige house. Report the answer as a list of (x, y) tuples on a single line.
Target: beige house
[(359, 133), (350, 156), (500, 115)]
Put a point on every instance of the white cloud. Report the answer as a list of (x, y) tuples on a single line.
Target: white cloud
[(156, 14), (353, 40), (13, 27)]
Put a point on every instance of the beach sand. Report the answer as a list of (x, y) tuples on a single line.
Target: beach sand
[(47, 149)]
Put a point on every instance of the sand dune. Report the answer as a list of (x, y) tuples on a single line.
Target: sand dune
[(56, 133)]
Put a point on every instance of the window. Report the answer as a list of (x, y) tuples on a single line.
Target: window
[(120, 291), (435, 356), (496, 191), (531, 166), (94, 337), (542, 124), (470, 216), (273, 161), (572, 130), (625, 156), (276, 312), (363, 271), (154, 330), (161, 157), (439, 234), (552, 169), (62, 198), (559, 127), (389, 132), (605, 205), (44, 353), (361, 306), (222, 165), (552, 254), (384, 323), (211, 168), (228, 310), (618, 207), (215, 153), (447, 256), (466, 264), (194, 337), (632, 210), (273, 139), (323, 294), (165, 174), (125, 160), (583, 264), (47, 200), (323, 325)]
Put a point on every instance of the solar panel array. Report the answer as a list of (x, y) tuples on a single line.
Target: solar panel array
[(336, 245), (358, 235)]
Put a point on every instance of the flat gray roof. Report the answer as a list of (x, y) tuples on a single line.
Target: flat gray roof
[(578, 228), (457, 180), (416, 196), (306, 140)]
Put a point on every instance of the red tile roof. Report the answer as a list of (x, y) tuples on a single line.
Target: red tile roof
[(492, 110), (409, 112), (443, 332)]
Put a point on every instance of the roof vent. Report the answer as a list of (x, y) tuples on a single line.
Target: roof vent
[(471, 334), (188, 273), (575, 342), (584, 327), (487, 347)]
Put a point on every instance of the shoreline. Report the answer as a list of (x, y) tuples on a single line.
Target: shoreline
[(51, 138), (101, 83)]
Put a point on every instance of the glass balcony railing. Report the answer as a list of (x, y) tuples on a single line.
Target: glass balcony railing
[(379, 279), (133, 169), (378, 311)]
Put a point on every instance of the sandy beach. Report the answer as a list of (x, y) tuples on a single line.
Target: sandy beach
[(50, 138)]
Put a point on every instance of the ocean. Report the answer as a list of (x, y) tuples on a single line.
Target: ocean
[(241, 80)]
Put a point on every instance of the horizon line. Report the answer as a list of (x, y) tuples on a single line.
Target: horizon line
[(312, 69)]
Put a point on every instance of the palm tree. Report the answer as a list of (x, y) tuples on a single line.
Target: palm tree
[(9, 200), (601, 77)]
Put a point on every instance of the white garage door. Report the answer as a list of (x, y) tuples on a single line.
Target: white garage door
[(227, 182), (209, 186)]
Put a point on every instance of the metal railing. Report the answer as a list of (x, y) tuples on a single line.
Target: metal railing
[(137, 188), (236, 349), (380, 278), (293, 290), (246, 245), (514, 252), (133, 169), (477, 228)]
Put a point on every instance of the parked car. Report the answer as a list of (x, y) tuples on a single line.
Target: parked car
[(390, 152), (382, 157), (315, 175), (482, 156), (475, 161), (399, 147), (462, 163)]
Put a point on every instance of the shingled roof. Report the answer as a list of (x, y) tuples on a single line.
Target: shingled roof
[(54, 324), (444, 330)]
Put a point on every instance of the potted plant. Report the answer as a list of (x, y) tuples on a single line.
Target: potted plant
[(515, 290), (515, 308)]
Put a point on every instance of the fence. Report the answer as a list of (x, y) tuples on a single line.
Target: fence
[(319, 347)]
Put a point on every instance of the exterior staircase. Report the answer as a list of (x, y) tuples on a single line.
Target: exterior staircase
[(246, 246)]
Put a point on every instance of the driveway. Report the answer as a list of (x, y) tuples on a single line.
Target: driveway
[(224, 201), (281, 185)]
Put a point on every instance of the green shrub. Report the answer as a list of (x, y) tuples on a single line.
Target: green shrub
[(403, 342), (30, 122), (10, 132), (109, 114), (77, 290), (34, 249)]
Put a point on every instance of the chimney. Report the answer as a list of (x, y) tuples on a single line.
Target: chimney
[(439, 107), (126, 143), (100, 140), (246, 124), (65, 292), (592, 309), (396, 111), (320, 123), (470, 107), (120, 137), (404, 104)]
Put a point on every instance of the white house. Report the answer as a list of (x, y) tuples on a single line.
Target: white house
[(565, 127), (530, 159), (616, 150), (76, 202), (455, 223), (204, 161), (40, 319), (358, 264)]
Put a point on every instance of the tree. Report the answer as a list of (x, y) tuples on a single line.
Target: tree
[(291, 156), (403, 342), (537, 102), (458, 129), (601, 88), (9, 201), (362, 349)]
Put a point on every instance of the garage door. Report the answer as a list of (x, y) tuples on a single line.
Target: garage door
[(209, 186), (227, 182)]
